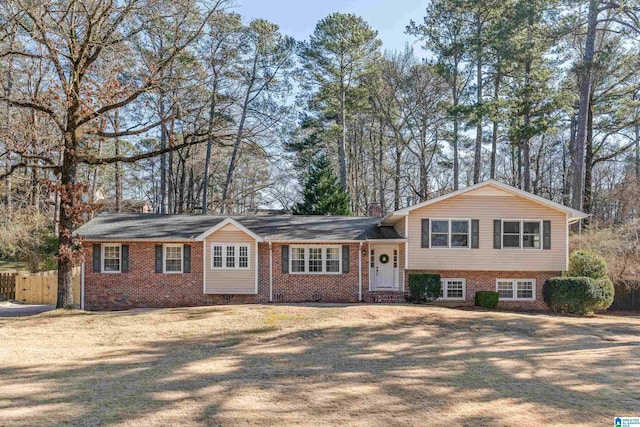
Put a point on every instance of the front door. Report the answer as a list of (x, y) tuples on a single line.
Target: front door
[(384, 272)]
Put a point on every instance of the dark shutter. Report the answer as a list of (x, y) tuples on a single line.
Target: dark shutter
[(475, 233), (285, 259), (186, 258), (345, 259), (124, 258), (97, 258), (497, 234), (546, 234), (425, 233), (158, 258)]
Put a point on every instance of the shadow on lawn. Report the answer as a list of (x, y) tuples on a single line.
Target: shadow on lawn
[(384, 373)]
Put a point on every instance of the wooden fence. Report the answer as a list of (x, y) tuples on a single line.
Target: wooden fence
[(42, 288), (626, 299), (7, 286)]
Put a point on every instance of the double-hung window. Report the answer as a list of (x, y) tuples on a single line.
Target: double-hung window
[(453, 289), (315, 259), (450, 233), (229, 256), (521, 234), (111, 262), (173, 258), (516, 289)]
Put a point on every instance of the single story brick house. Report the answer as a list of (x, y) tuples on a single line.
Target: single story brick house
[(489, 236)]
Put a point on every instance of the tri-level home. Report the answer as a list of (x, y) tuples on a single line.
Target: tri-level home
[(489, 236)]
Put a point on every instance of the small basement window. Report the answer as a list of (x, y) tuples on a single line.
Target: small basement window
[(516, 289), (453, 289)]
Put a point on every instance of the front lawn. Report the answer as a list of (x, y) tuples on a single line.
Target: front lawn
[(317, 364)]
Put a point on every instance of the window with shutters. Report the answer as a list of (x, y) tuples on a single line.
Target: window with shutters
[(229, 256), (516, 289), (315, 259), (450, 233), (172, 258), (111, 258), (522, 234)]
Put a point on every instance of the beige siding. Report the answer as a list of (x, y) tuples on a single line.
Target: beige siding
[(486, 207), (222, 281), (400, 227)]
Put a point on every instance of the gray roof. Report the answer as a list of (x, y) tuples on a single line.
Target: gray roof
[(128, 226)]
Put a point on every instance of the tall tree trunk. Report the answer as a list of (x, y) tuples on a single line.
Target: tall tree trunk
[(588, 163), (342, 157), (577, 158), (117, 165), (8, 200), (240, 134), (164, 201), (171, 178), (207, 158), (496, 124), (396, 179), (566, 189), (456, 159), (637, 154), (477, 158)]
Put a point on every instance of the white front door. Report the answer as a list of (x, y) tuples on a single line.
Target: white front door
[(384, 271)]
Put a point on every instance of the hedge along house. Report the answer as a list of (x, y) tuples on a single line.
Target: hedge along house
[(489, 236)]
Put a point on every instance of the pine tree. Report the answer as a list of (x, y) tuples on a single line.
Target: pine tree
[(322, 193)]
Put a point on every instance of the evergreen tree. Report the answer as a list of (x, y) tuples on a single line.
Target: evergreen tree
[(322, 193)]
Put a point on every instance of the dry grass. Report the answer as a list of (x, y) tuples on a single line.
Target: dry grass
[(305, 364)]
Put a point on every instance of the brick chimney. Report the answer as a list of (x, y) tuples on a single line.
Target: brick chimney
[(374, 209)]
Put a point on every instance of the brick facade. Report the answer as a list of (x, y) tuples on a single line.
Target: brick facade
[(486, 281), (143, 287)]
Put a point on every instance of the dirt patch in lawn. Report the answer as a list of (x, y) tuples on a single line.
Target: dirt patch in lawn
[(315, 364)]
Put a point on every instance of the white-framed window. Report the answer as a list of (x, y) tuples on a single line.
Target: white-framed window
[(454, 289), (111, 258), (516, 289), (450, 233), (226, 256), (315, 259), (173, 258), (521, 234)]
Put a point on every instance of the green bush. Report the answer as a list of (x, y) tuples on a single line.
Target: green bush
[(587, 264), (424, 287), (578, 295), (486, 299)]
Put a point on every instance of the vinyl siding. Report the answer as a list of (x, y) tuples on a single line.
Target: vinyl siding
[(223, 281), (488, 206)]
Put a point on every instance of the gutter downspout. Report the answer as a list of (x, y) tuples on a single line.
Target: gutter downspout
[(82, 287), (270, 272), (360, 273)]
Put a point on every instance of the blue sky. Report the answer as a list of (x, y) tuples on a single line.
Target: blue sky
[(298, 18)]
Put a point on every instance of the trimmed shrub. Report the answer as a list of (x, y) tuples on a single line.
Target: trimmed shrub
[(424, 287), (486, 299), (577, 295), (587, 264)]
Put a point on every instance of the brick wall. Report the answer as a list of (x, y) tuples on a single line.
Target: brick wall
[(143, 287), (316, 287), (486, 281)]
